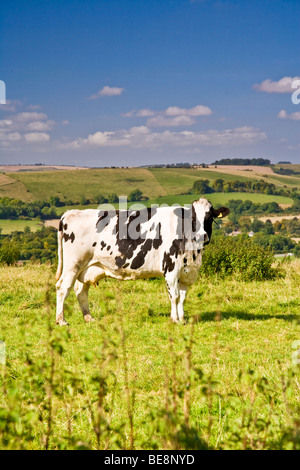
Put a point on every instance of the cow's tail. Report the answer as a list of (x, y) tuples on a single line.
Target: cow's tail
[(59, 250)]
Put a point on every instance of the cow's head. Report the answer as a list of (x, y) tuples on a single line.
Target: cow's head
[(204, 214)]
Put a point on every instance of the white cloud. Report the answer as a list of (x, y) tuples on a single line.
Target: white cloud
[(145, 113), (107, 91), (143, 137), (294, 116), (30, 116), (284, 85), (161, 121), (37, 137), (172, 116), (40, 126), (196, 111)]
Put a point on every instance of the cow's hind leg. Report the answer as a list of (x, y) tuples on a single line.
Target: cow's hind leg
[(63, 287), (82, 291), (172, 285)]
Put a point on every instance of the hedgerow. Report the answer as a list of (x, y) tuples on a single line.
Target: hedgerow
[(226, 256)]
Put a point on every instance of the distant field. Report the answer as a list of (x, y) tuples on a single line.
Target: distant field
[(154, 182), (177, 180), (9, 187), (223, 198), (17, 168), (259, 172), (74, 184), (8, 226), (214, 198)]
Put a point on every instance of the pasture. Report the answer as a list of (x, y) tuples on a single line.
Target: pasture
[(132, 379), (214, 198), (154, 182), (8, 226)]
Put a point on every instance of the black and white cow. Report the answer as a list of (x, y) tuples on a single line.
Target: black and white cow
[(140, 244)]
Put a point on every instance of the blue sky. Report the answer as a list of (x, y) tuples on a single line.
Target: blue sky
[(124, 82)]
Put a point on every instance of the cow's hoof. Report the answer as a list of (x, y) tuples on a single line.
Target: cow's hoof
[(88, 318), (61, 322)]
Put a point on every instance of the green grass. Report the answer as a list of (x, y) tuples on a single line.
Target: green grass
[(178, 180), (245, 359), (221, 198), (88, 183), (8, 226), (215, 198), (154, 182)]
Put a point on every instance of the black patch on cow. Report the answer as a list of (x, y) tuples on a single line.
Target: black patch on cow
[(103, 245), (67, 237), (94, 244), (208, 220), (61, 225), (167, 264), (129, 244), (120, 261), (176, 249), (104, 218), (139, 259), (108, 247), (65, 226), (158, 238), (195, 221)]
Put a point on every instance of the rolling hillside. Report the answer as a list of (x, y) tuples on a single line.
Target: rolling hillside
[(154, 182)]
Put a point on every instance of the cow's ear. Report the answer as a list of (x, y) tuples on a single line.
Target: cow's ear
[(221, 212)]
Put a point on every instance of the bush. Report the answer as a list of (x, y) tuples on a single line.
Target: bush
[(9, 253), (238, 256)]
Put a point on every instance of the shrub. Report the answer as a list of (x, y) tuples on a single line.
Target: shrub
[(237, 256), (9, 253), (135, 195)]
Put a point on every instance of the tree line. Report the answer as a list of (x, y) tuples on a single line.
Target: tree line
[(243, 161), (202, 186)]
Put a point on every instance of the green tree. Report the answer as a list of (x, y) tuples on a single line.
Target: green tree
[(135, 195), (218, 185), (9, 253), (202, 187)]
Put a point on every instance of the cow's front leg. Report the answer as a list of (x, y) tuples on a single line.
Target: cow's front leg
[(82, 292), (180, 307), (172, 285)]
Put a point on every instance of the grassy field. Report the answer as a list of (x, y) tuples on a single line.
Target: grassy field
[(154, 182), (222, 198), (74, 184), (10, 187), (132, 379), (8, 226)]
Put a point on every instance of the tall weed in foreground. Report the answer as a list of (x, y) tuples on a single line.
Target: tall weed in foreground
[(60, 395)]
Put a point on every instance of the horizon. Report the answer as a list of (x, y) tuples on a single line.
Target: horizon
[(101, 84)]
